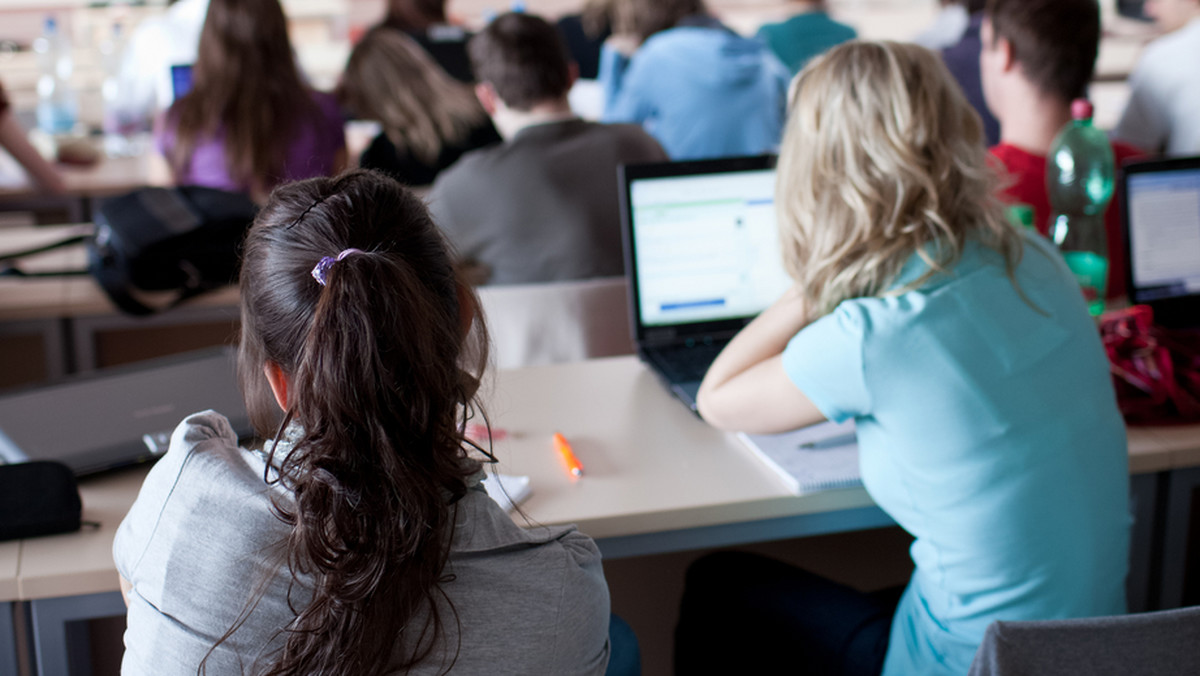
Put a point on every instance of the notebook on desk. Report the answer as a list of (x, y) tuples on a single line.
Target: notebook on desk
[(118, 416), (1161, 219), (702, 259), (815, 458)]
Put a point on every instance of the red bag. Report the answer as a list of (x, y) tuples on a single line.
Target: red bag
[(1156, 371)]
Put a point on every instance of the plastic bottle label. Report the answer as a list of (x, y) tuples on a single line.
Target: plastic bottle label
[(1091, 270)]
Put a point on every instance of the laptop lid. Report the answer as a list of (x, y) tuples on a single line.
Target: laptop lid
[(702, 253), (1161, 218), (118, 416)]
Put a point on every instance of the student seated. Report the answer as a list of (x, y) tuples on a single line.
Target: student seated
[(429, 119), (695, 85), (1164, 97), (807, 33), (249, 122), (425, 21), (542, 206), (962, 349), (359, 540), (146, 85), (12, 139), (1038, 56), (962, 58)]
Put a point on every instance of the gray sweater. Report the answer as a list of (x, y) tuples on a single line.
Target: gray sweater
[(201, 536)]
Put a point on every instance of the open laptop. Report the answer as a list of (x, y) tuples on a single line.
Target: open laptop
[(702, 259), (118, 416), (1161, 204)]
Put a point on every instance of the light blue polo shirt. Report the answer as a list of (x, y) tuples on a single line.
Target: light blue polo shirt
[(989, 430)]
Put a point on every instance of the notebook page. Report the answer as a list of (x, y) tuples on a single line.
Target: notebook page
[(814, 458)]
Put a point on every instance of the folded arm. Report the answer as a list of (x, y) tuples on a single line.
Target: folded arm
[(746, 389)]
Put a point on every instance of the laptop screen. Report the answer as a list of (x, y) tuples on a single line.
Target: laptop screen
[(181, 80), (1164, 232), (705, 246)]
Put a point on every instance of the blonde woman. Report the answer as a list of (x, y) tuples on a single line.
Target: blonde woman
[(429, 119), (987, 423)]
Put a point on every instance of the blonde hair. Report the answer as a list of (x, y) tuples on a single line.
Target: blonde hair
[(882, 158), (389, 78)]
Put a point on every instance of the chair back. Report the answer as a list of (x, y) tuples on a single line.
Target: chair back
[(1146, 644), (557, 321)]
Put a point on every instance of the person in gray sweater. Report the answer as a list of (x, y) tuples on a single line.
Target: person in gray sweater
[(543, 205), (359, 541)]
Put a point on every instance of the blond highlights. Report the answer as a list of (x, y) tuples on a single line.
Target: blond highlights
[(882, 158), (390, 78)]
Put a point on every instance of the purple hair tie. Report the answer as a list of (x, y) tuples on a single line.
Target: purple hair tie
[(322, 269)]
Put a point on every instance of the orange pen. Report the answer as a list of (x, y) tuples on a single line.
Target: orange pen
[(574, 468)]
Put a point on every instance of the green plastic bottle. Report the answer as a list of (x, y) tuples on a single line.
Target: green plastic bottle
[(1080, 172)]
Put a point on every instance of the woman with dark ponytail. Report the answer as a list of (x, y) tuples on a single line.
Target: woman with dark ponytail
[(359, 541)]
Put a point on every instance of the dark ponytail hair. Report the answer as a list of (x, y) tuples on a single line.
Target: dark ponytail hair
[(381, 382)]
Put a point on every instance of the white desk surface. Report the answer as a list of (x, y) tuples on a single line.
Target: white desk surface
[(650, 466)]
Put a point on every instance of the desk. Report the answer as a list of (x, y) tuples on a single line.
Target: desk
[(657, 480)]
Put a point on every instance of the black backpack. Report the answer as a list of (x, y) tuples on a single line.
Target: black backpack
[(186, 239)]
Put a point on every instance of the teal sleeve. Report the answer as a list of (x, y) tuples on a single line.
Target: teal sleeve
[(825, 361)]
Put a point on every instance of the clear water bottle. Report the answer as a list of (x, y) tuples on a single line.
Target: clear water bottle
[(56, 109), (1080, 173), (122, 121)]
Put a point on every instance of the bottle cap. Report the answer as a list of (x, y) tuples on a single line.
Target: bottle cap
[(1081, 109)]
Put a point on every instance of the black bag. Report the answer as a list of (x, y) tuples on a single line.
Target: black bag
[(38, 498), (185, 239)]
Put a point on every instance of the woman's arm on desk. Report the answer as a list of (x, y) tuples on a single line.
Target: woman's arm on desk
[(12, 139), (746, 388)]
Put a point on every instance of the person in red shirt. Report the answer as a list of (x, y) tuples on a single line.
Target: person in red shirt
[(1038, 56)]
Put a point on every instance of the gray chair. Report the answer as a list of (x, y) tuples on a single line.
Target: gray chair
[(1143, 644), (557, 322)]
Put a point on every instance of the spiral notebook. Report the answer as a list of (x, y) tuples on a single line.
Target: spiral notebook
[(814, 458)]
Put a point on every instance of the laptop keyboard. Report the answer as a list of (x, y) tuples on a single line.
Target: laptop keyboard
[(683, 363)]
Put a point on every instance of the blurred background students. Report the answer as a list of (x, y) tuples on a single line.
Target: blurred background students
[(1038, 56), (962, 58), (425, 21), (807, 33), (947, 27), (13, 139), (695, 85), (250, 122), (585, 33), (429, 119), (1163, 113), (542, 206), (158, 44)]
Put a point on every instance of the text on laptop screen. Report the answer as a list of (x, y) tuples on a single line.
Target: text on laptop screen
[(707, 248), (1164, 233)]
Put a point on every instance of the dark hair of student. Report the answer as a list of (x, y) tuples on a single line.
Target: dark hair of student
[(382, 379), (390, 78), (1055, 41), (414, 16), (523, 57), (245, 86), (643, 19)]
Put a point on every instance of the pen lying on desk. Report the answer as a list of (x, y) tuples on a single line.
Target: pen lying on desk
[(574, 468), (831, 442)]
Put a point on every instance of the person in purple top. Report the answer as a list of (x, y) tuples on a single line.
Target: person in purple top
[(249, 122)]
